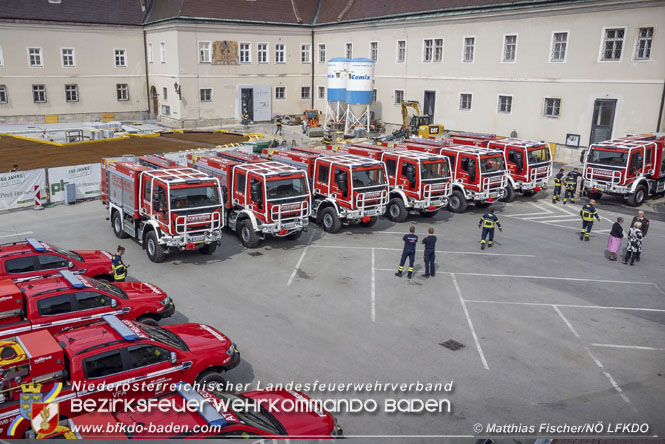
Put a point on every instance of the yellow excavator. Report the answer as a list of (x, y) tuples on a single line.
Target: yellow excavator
[(420, 125)]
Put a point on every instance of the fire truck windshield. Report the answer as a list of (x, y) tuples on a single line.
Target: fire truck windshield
[(434, 170), (105, 286), (491, 164), (260, 419), (283, 188), (194, 197), (538, 155), (368, 177), (611, 158), (69, 254), (164, 336)]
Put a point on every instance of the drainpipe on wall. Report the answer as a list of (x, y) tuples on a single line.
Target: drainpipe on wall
[(312, 60), (660, 113), (147, 78)]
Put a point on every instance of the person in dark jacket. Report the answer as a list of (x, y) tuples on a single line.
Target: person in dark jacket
[(634, 248), (558, 181), (643, 220), (410, 241), (119, 267), (487, 222), (614, 243), (430, 246), (587, 213)]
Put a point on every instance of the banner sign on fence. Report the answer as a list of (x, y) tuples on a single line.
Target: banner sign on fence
[(18, 189), (87, 178)]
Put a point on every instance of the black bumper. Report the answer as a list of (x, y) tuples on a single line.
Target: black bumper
[(235, 360), (168, 312)]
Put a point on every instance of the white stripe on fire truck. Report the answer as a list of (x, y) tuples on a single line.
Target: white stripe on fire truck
[(16, 330)]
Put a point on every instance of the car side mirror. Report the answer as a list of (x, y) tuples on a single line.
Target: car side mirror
[(70, 264), (582, 155), (173, 358), (114, 303)]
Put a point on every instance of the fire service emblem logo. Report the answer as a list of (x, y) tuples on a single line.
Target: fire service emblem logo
[(37, 408)]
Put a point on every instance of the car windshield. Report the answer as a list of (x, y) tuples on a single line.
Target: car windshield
[(611, 158), (109, 288), (282, 188), (68, 253), (259, 419), (368, 177), (434, 170), (539, 155), (164, 336), (491, 164), (194, 197)]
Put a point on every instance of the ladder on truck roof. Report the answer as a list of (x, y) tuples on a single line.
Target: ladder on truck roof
[(178, 175), (350, 160), (518, 142), (466, 149), (269, 168)]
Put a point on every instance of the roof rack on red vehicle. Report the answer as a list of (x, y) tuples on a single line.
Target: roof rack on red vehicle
[(519, 142), (205, 408), (178, 175), (269, 168)]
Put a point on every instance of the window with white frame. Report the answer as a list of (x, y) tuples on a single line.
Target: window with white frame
[(280, 52), (644, 38), (505, 104), (401, 51), (305, 92), (206, 94), (509, 48), (35, 57), (559, 44), (374, 95), (469, 49), (438, 50), (280, 92), (552, 107), (428, 45), (374, 51), (3, 94), (166, 110), (165, 93), (71, 93), (120, 58), (39, 93), (613, 43), (68, 58), (465, 101), (349, 50), (150, 55), (162, 52), (399, 96), (122, 91), (262, 52), (322, 53), (204, 52), (305, 53), (322, 92), (245, 53)]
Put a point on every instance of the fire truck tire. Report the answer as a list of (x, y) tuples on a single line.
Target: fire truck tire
[(294, 236), (425, 213), (248, 236), (509, 194), (396, 210), (147, 320), (595, 196), (116, 223), (457, 202), (638, 196), (155, 251), (210, 377), (330, 221), (372, 220), (208, 249)]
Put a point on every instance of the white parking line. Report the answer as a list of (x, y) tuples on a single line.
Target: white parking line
[(540, 304), (295, 270), (438, 251), (373, 289), (16, 234), (632, 347), (556, 278), (468, 318), (565, 320)]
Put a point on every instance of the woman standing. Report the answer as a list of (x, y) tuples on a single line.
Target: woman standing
[(634, 244), (614, 243)]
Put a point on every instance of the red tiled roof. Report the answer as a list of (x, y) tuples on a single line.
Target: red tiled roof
[(111, 12)]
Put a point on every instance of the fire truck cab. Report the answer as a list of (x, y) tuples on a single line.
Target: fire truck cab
[(632, 167), (163, 209)]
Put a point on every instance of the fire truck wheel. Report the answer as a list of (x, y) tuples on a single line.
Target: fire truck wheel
[(155, 250), (396, 210), (330, 221), (208, 249), (509, 194), (457, 202), (638, 196), (248, 236), (117, 226), (595, 196), (370, 222), (210, 378), (147, 320), (425, 213), (294, 236)]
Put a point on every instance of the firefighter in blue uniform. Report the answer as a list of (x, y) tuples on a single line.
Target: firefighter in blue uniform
[(571, 185), (587, 213), (410, 241), (430, 246), (558, 181), (119, 267), (487, 223)]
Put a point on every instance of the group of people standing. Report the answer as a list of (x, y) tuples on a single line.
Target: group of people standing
[(636, 234)]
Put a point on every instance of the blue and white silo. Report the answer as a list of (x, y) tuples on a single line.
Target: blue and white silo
[(359, 94), (338, 77)]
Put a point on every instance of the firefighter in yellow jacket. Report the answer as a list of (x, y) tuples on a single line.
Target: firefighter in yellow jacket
[(587, 213)]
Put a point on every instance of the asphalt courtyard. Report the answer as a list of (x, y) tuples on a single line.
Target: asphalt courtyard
[(551, 332)]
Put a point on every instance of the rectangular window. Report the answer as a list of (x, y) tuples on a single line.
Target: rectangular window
[(245, 53), (438, 50), (469, 49), (322, 53), (68, 57), (120, 58), (305, 92), (35, 56), (55, 305), (71, 93), (165, 93), (322, 92), (204, 52), (374, 51), (323, 174), (103, 365), (374, 95), (240, 183), (206, 94), (427, 50), (3, 94), (644, 38), (122, 91), (613, 44), (399, 96), (552, 107), (349, 50), (401, 51), (280, 92), (505, 104), (559, 44), (166, 110), (305, 53), (162, 52), (509, 48), (465, 101), (150, 56), (20, 265), (262, 52), (39, 93), (280, 51)]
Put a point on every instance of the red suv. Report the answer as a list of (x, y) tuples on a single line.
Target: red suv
[(30, 258)]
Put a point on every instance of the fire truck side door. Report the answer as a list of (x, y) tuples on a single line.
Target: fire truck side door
[(256, 197), (648, 158), (322, 177), (408, 175), (159, 204), (515, 161), (147, 195), (240, 187), (636, 163), (52, 309), (467, 169), (340, 185), (391, 166)]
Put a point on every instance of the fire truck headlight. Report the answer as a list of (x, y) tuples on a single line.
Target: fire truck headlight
[(231, 349), (166, 301)]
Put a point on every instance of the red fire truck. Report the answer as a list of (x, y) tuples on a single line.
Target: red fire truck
[(479, 174), (419, 181), (261, 197), (345, 188), (632, 167), (166, 209)]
